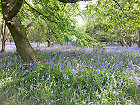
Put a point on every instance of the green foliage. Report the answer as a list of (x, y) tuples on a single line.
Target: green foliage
[(124, 19), (0, 7), (54, 16), (107, 18)]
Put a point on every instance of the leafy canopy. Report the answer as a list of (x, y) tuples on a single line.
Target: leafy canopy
[(57, 17)]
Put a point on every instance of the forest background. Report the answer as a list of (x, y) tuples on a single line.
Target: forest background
[(83, 69)]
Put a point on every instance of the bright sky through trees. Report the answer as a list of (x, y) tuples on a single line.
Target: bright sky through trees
[(82, 5)]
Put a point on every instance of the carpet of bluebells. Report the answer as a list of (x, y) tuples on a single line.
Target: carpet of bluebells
[(72, 77)]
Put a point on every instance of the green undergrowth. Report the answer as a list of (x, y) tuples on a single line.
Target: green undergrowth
[(70, 78)]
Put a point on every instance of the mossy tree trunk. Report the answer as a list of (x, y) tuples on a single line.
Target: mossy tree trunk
[(10, 8)]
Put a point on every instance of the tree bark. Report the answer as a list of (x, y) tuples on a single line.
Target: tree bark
[(10, 8), (123, 41), (4, 36), (139, 36), (128, 41), (49, 38), (23, 46)]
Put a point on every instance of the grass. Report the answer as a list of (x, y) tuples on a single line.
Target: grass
[(71, 78)]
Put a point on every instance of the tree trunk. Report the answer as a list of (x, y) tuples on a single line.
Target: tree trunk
[(49, 43), (23, 46), (123, 41), (49, 38), (128, 41), (139, 36), (4, 36), (38, 44), (10, 8), (1, 36)]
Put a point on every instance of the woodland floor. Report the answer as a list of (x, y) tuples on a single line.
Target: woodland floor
[(57, 47)]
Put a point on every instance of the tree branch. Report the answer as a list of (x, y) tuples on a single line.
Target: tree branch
[(40, 13), (29, 25), (120, 7)]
